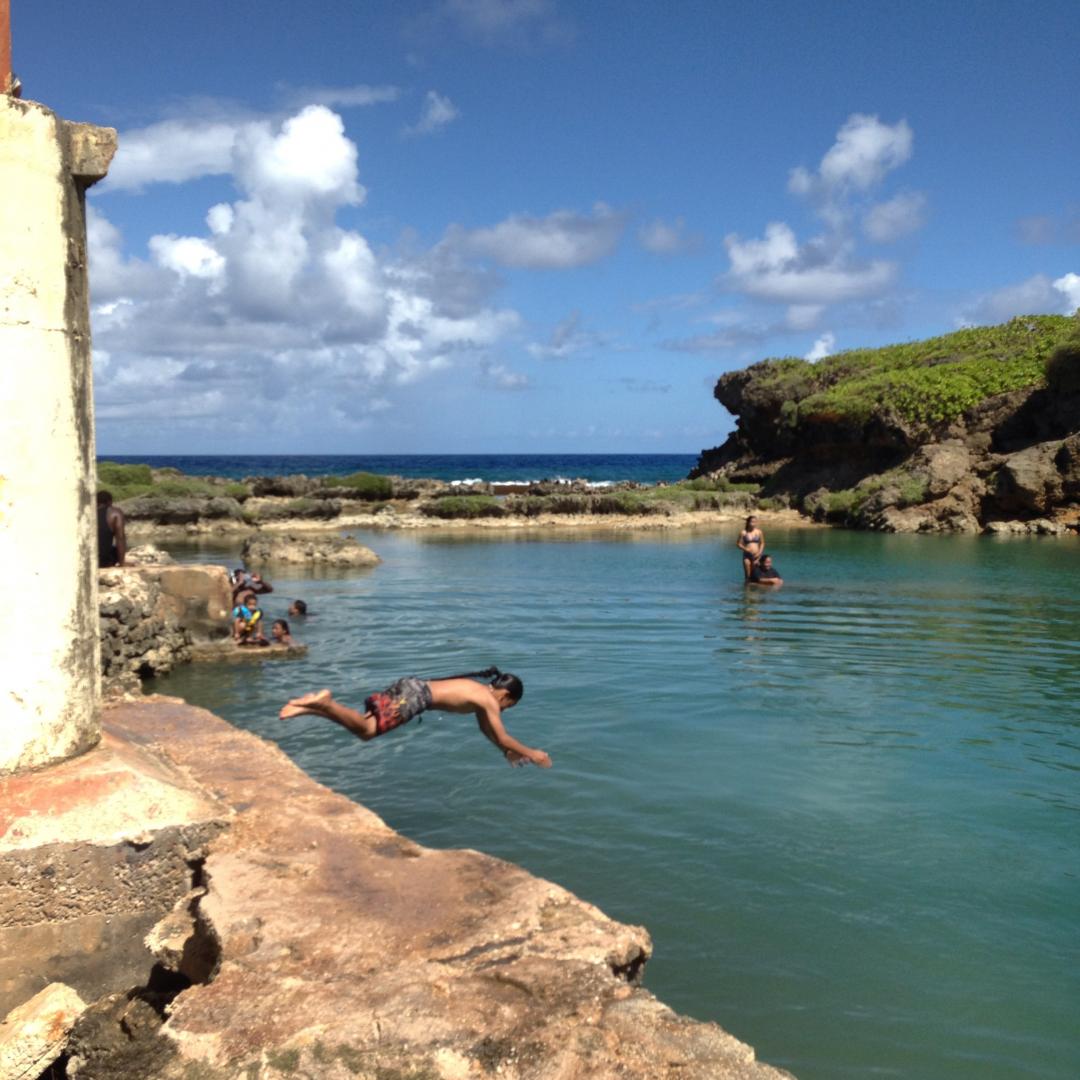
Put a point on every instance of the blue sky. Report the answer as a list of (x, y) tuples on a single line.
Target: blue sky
[(534, 226)]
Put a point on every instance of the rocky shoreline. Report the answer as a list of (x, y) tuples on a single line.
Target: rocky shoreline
[(926, 437)]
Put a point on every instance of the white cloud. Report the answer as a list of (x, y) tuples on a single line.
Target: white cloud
[(497, 21), (438, 111), (1036, 295), (276, 304), (667, 238), (343, 97), (172, 151), (567, 339), (561, 241), (899, 216), (824, 346), (864, 152), (502, 377), (1069, 287), (823, 271)]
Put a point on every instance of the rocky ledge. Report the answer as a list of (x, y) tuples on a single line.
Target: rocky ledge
[(974, 431), (325, 550), (318, 942)]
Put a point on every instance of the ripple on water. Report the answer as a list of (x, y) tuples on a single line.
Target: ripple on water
[(845, 810)]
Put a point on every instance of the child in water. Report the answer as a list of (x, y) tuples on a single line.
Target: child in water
[(280, 632)]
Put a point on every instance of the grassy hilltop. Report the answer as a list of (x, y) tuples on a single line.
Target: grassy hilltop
[(828, 436)]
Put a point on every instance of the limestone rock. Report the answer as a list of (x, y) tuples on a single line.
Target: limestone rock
[(1029, 482), (292, 487), (346, 950), (32, 1036), (186, 510), (323, 550), (148, 555)]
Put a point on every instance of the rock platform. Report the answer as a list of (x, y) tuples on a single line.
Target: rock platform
[(339, 949)]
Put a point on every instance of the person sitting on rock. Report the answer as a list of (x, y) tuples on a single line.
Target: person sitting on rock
[(298, 607), (408, 697), (280, 632), (111, 531), (247, 619), (764, 573)]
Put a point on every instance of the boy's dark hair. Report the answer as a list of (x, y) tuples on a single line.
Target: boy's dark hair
[(283, 624), (104, 498), (301, 607), (501, 681)]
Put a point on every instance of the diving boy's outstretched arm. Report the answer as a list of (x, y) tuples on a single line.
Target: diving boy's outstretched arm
[(517, 753)]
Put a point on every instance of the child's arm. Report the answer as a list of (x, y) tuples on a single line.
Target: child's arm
[(515, 752)]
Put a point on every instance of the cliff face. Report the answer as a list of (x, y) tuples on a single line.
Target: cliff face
[(975, 430)]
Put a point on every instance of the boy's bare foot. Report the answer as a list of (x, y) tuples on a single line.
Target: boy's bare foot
[(306, 703)]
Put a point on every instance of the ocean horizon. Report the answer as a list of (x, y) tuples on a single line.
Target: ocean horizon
[(491, 468)]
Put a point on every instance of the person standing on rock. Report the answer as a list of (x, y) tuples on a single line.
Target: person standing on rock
[(408, 697), (111, 532), (751, 543)]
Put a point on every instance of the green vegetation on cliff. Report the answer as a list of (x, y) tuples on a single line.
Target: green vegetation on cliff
[(923, 382), (129, 481)]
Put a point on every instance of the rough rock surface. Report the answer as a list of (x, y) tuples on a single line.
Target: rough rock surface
[(227, 651), (322, 549), (152, 613), (148, 555), (137, 636), (32, 1036), (1015, 457), (345, 950)]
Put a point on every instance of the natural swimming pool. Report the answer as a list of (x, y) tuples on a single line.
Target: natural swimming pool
[(846, 812)]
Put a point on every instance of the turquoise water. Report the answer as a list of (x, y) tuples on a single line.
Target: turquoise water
[(847, 811)]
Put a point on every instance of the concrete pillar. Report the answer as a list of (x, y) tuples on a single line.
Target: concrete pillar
[(50, 690)]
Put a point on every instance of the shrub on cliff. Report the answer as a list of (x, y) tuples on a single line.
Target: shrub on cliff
[(361, 485), (463, 506), (924, 382)]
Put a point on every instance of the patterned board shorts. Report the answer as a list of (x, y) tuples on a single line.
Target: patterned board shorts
[(398, 703)]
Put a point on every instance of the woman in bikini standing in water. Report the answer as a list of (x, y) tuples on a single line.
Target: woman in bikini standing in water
[(751, 543)]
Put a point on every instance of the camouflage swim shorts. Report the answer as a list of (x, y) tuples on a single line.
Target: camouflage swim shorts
[(399, 703)]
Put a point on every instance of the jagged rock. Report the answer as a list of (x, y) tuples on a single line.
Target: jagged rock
[(148, 555), (1029, 481), (166, 510), (260, 511), (33, 1035), (346, 950), (290, 486), (944, 464), (324, 550)]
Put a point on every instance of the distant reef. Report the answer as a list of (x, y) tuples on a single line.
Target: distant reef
[(974, 431)]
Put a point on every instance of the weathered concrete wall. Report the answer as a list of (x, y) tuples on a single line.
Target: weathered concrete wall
[(93, 852), (48, 558)]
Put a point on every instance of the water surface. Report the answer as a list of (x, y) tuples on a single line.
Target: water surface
[(847, 811)]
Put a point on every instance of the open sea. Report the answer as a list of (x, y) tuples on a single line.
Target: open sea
[(493, 468), (847, 811)]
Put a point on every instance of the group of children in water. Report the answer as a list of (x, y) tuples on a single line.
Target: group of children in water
[(247, 616)]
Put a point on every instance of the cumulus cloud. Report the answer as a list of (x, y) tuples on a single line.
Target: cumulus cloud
[(824, 346), (865, 150), (438, 111), (776, 268), (888, 221), (828, 268), (561, 241), (1036, 295), (667, 238), (501, 377), (276, 304), (172, 151)]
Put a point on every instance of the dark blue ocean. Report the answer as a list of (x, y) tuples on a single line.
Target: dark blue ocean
[(518, 468)]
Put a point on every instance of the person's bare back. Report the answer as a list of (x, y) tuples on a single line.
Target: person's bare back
[(406, 698)]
